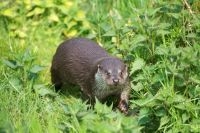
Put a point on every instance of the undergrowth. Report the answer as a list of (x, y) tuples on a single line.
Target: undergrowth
[(158, 39)]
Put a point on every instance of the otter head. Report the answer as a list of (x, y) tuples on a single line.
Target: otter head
[(113, 72)]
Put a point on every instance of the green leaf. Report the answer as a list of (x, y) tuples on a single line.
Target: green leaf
[(110, 33), (10, 12), (179, 98), (10, 63), (131, 123), (164, 26), (43, 90), (153, 11), (191, 35), (139, 38), (80, 15), (36, 11), (16, 84), (174, 15), (27, 57), (53, 17), (137, 65), (138, 87), (160, 112), (164, 120), (87, 116), (36, 69), (21, 33), (102, 108), (105, 27), (143, 120), (195, 79), (144, 101), (162, 32), (162, 50), (185, 117)]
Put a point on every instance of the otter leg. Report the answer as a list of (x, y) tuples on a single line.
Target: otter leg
[(58, 86), (123, 102), (55, 79), (87, 94)]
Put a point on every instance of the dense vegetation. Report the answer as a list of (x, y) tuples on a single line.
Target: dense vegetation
[(158, 39)]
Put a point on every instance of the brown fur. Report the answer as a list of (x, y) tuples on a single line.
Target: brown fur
[(79, 60)]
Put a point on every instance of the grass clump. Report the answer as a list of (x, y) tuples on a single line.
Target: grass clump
[(159, 40)]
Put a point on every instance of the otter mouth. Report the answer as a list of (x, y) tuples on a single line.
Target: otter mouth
[(115, 86)]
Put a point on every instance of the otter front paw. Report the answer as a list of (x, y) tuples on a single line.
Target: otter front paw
[(123, 106)]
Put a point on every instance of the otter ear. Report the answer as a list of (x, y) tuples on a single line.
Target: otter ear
[(126, 67), (99, 66)]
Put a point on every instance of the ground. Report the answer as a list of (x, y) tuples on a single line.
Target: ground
[(158, 40)]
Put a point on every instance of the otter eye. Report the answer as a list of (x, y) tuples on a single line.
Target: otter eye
[(121, 73), (108, 73), (99, 66)]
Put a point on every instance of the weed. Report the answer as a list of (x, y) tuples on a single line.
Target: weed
[(159, 40)]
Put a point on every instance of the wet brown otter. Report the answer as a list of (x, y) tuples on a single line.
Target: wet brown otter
[(83, 62)]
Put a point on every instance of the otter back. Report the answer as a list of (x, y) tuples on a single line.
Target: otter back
[(83, 62)]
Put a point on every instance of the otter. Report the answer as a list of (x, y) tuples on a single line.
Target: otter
[(83, 62)]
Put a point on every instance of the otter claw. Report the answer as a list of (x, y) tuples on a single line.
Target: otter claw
[(123, 106)]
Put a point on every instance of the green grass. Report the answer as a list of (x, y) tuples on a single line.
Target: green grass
[(158, 39)]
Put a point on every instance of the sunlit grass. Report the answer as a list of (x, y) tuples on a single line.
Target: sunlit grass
[(159, 41)]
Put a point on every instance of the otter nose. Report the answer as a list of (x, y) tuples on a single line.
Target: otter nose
[(115, 81)]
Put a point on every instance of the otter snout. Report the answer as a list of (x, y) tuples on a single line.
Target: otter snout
[(115, 81)]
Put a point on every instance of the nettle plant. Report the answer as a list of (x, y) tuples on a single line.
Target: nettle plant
[(160, 42), (22, 69), (26, 13)]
